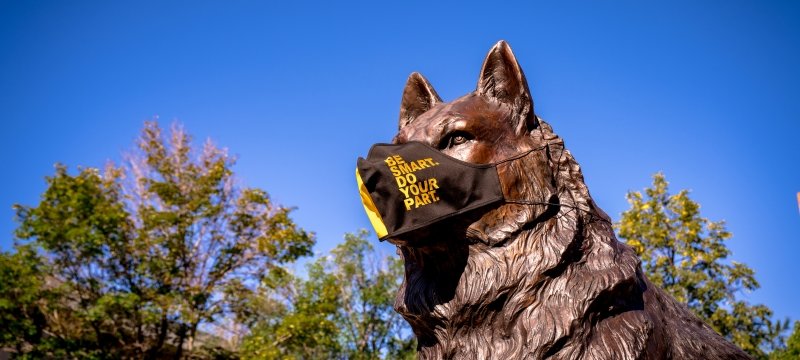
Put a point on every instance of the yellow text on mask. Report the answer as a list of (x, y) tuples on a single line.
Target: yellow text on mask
[(417, 193), (400, 167)]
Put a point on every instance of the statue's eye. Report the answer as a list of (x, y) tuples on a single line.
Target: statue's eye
[(454, 139), (458, 140)]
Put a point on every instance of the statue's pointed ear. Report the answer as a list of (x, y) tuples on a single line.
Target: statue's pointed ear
[(502, 79), (418, 97)]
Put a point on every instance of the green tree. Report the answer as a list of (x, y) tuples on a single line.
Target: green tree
[(343, 310), (36, 309), (21, 291), (792, 349), (147, 252), (685, 254)]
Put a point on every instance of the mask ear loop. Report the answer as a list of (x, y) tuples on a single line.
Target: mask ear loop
[(520, 155), (592, 217)]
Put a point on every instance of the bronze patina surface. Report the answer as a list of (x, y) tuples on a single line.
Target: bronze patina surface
[(516, 281)]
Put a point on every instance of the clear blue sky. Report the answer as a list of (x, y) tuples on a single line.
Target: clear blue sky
[(705, 91)]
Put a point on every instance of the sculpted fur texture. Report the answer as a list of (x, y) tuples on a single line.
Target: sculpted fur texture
[(521, 281)]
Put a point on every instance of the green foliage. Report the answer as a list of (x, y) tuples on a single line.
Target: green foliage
[(792, 349), (685, 254), (343, 310), (143, 254), (21, 299)]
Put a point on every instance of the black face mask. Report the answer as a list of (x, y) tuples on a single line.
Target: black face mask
[(410, 186)]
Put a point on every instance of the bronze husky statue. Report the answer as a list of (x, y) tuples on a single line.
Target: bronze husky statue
[(517, 281)]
